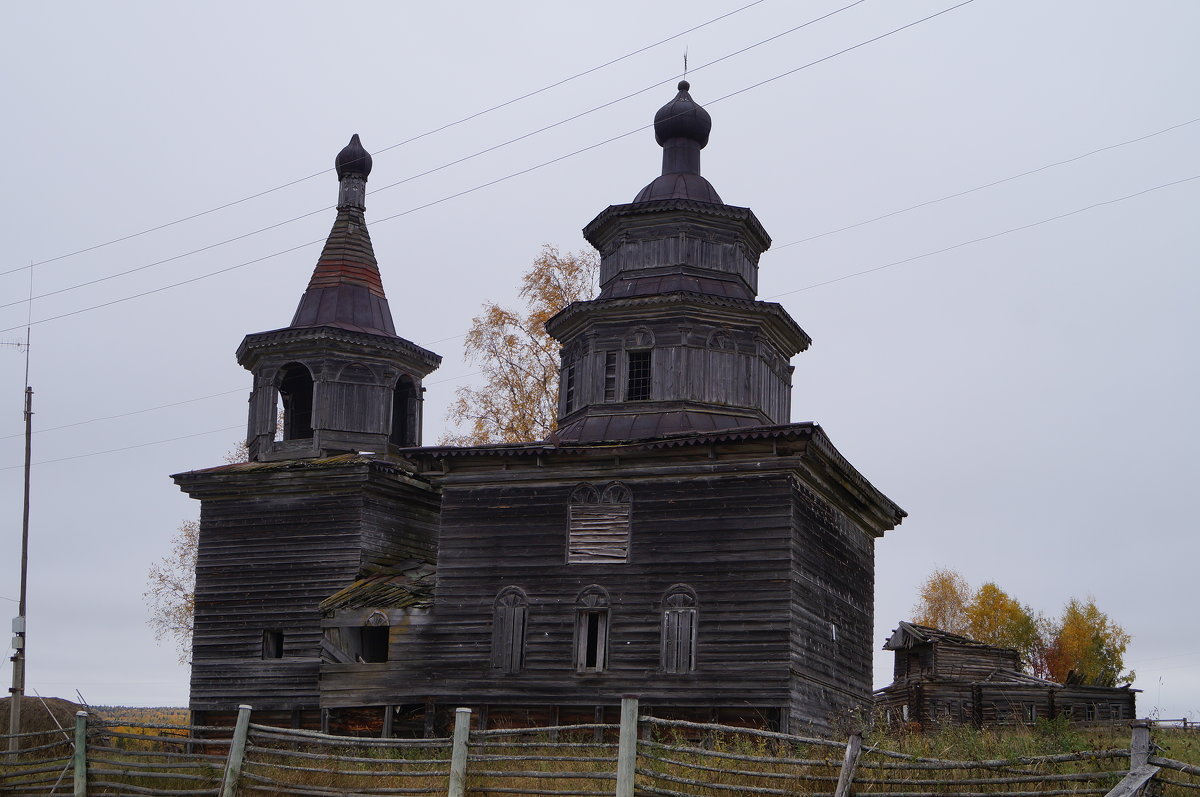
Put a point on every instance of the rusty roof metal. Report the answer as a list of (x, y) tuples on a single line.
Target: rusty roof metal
[(346, 290), (408, 585)]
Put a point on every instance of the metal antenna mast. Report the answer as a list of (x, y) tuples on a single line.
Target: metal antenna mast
[(18, 626)]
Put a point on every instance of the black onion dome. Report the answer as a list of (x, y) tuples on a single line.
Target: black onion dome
[(353, 159), (682, 117)]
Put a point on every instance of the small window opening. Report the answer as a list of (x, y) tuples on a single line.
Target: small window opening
[(637, 386), (591, 630), (372, 643), (570, 390), (272, 643), (405, 413), (296, 395)]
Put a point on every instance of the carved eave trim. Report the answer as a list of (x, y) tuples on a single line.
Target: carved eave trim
[(289, 337), (570, 321), (600, 229)]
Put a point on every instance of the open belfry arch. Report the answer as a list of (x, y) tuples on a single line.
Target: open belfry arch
[(677, 537)]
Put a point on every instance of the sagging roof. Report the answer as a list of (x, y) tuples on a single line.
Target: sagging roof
[(908, 635), (408, 585)]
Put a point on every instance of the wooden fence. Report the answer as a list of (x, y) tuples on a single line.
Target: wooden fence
[(638, 756)]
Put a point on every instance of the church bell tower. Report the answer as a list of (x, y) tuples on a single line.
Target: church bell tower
[(676, 342), (341, 377)]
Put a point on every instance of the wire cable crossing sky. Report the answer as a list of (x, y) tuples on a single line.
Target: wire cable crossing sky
[(995, 200)]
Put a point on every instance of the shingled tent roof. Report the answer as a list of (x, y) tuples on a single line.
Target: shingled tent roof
[(408, 585), (346, 290)]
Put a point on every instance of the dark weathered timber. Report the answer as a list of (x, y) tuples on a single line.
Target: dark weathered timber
[(765, 534), (942, 678), (276, 540), (676, 538)]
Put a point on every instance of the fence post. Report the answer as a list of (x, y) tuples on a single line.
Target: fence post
[(458, 753), (80, 759), (627, 747), (1139, 744), (237, 750), (849, 764)]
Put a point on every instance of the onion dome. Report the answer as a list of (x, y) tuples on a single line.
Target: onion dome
[(681, 128), (354, 160), (682, 117)]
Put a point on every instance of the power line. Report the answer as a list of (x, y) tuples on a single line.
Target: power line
[(490, 183), (842, 278), (192, 400), (427, 133), (126, 414), (986, 237), (989, 185), (130, 448), (439, 168)]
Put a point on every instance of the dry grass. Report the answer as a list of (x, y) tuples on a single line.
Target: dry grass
[(674, 762)]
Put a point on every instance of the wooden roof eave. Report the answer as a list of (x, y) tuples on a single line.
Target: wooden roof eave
[(776, 323), (841, 483), (300, 474), (282, 340)]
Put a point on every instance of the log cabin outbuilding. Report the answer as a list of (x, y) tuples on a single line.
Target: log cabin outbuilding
[(943, 678), (677, 537)]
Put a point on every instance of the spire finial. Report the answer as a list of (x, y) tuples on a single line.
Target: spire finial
[(681, 128), (353, 165), (353, 159)]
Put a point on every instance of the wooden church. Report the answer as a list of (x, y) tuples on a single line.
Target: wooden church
[(677, 538)]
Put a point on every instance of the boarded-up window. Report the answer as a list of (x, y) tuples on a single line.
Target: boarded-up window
[(569, 390), (598, 524), (591, 630), (610, 376), (679, 630), (509, 620)]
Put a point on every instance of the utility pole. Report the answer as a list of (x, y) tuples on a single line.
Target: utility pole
[(17, 691), (18, 626)]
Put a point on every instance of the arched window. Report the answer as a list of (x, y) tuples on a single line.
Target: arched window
[(679, 630), (405, 413), (296, 396), (591, 630), (509, 619), (598, 524)]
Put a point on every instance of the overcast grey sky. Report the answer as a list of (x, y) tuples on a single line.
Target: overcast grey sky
[(1029, 398)]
